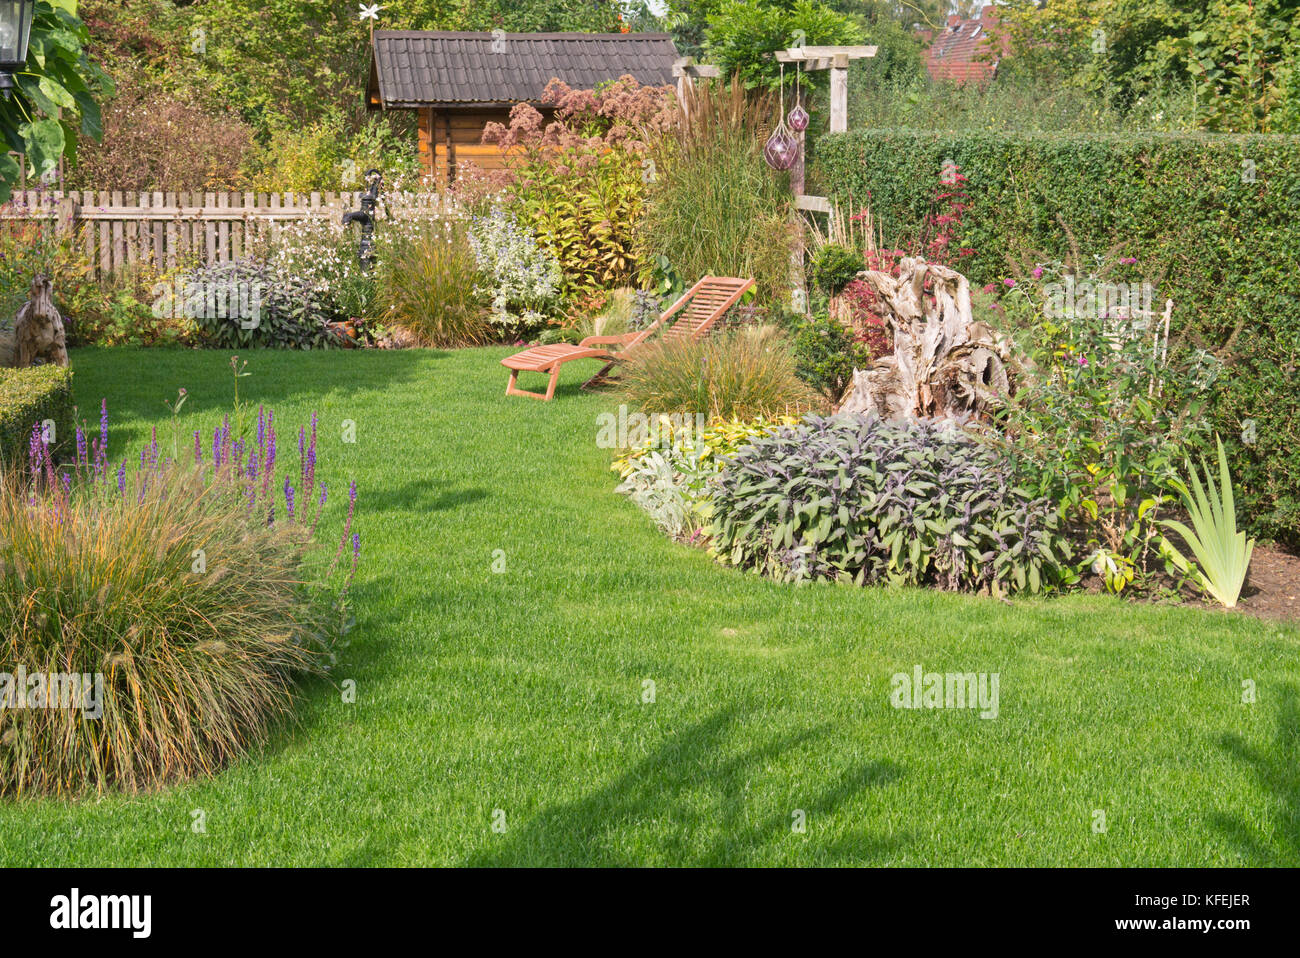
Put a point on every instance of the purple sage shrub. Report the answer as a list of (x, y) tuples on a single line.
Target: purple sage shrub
[(866, 500)]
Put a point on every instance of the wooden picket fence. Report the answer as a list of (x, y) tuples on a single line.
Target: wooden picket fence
[(116, 229)]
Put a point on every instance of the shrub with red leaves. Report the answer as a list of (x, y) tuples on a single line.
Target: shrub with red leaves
[(159, 141), (950, 202)]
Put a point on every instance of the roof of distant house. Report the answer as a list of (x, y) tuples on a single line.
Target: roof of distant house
[(414, 68), (965, 49)]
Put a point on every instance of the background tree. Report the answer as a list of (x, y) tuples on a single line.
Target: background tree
[(1236, 57), (741, 35)]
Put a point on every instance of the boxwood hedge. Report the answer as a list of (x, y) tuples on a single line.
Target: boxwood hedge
[(28, 397), (1214, 221)]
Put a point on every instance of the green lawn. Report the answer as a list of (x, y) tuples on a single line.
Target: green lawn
[(522, 691)]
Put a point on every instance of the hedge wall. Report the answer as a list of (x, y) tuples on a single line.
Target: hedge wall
[(30, 396), (1213, 220)]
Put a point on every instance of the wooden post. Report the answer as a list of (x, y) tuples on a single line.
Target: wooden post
[(686, 71), (837, 60), (450, 145), (683, 82), (68, 210), (839, 93), (797, 171)]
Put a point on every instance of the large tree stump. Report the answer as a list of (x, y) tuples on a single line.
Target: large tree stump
[(38, 328), (944, 363)]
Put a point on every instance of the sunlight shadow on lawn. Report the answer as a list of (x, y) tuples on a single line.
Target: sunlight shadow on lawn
[(138, 382), (662, 792), (1277, 771), (422, 495)]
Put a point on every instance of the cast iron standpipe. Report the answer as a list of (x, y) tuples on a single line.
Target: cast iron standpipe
[(366, 217)]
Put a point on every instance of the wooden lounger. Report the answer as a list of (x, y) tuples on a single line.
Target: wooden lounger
[(700, 307)]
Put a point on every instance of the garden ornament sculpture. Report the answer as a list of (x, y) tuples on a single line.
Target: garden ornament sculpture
[(38, 328), (781, 149)]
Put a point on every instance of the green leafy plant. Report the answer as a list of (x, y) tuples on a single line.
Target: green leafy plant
[(117, 309), (333, 153), (53, 102), (666, 489), (834, 267), (826, 353), (579, 179), (247, 303), (742, 34), (668, 474), (1222, 552), (1102, 409), (29, 397), (716, 441), (521, 278), (865, 500)]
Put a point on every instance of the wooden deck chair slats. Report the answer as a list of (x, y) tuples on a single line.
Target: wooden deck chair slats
[(691, 317)]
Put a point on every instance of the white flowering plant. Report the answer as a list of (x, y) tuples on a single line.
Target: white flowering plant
[(521, 278), (323, 252)]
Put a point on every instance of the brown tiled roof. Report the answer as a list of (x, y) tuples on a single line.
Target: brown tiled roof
[(966, 49), (418, 68)]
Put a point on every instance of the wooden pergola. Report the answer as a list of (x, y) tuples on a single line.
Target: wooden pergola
[(836, 59)]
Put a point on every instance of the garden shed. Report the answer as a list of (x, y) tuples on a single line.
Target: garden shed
[(460, 82)]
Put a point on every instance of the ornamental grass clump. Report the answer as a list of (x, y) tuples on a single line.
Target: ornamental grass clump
[(745, 374), (179, 598), (713, 206), (430, 284), (867, 500)]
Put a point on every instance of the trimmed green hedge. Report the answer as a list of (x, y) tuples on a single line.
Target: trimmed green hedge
[(1213, 220), (30, 396)]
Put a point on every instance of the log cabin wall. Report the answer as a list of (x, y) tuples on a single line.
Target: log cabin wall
[(449, 137)]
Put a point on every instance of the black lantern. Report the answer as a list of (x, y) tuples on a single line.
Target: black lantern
[(15, 31)]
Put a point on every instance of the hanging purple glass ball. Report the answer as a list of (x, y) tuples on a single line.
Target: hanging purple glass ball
[(798, 119), (781, 150)]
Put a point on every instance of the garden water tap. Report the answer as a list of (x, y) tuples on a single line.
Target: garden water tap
[(366, 217)]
